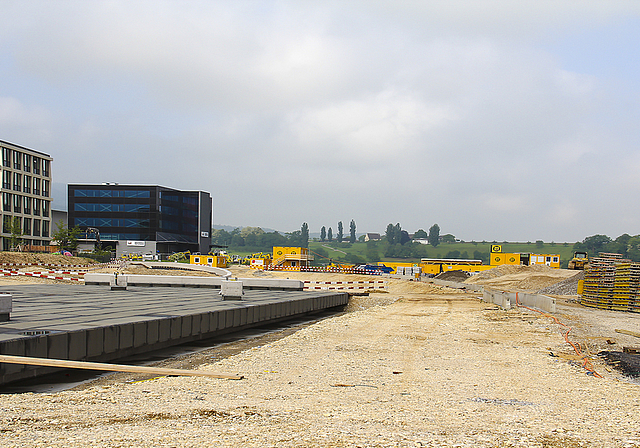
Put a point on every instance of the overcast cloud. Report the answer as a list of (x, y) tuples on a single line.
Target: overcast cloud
[(498, 120)]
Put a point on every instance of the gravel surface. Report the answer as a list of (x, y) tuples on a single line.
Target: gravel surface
[(418, 365)]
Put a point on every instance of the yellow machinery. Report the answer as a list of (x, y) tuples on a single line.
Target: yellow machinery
[(579, 261)]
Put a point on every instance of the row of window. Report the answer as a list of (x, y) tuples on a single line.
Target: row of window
[(24, 204), (25, 162), (28, 226), (174, 226), (123, 236), (112, 193), (23, 183), (174, 211), (111, 222), (129, 208)]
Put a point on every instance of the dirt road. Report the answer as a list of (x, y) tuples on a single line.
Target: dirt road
[(424, 367)]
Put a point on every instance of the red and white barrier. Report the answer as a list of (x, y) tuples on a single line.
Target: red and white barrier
[(9, 273), (363, 285)]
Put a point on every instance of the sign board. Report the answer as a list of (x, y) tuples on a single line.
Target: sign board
[(135, 243), (204, 234), (496, 248)]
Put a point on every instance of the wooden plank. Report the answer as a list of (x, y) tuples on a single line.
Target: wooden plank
[(630, 333), (66, 364)]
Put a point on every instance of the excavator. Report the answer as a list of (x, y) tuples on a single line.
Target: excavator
[(579, 261)]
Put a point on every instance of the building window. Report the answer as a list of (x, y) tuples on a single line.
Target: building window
[(27, 205), (26, 226), (17, 203), (17, 181), (36, 185), (36, 206), (27, 162), (6, 202), (45, 228), (36, 227), (45, 211), (6, 224), (17, 159), (6, 179), (26, 185), (6, 157), (45, 188), (36, 165), (45, 168)]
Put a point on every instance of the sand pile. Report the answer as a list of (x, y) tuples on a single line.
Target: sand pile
[(521, 278), (453, 276), (25, 257)]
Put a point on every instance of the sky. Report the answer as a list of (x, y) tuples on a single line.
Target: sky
[(498, 119)]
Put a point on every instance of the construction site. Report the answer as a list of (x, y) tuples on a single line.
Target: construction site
[(508, 355)]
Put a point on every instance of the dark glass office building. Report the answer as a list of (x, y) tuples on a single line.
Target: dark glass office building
[(176, 220)]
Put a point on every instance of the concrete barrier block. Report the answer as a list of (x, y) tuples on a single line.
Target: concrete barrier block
[(111, 338), (176, 327), (57, 346), (263, 310), (187, 325), (164, 330), (15, 347), (229, 319), (243, 316), (77, 345), (153, 328), (95, 342), (140, 334), (6, 303), (250, 314), (126, 336), (196, 324), (213, 321), (36, 346), (231, 290)]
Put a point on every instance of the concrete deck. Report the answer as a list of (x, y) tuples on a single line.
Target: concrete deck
[(94, 323)]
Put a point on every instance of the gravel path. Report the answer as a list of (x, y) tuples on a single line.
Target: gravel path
[(425, 367)]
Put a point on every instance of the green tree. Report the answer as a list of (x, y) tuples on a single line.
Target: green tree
[(67, 238), (304, 235), (352, 232), (323, 234), (539, 244), (448, 238), (390, 234), (372, 252), (15, 227), (330, 235), (420, 234), (340, 234), (434, 235)]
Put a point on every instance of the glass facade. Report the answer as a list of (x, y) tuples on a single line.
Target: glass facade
[(143, 213)]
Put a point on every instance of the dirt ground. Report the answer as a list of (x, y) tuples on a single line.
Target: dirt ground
[(417, 365)]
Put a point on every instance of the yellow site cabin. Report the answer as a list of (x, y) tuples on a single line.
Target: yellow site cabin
[(291, 257), (217, 261), (498, 258)]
